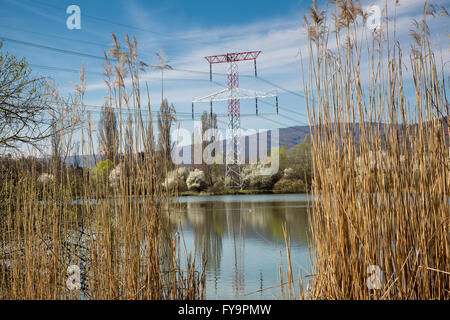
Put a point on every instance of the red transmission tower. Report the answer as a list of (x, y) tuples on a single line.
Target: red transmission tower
[(233, 94)]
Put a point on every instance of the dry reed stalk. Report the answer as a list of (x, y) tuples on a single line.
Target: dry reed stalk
[(119, 237), (381, 170)]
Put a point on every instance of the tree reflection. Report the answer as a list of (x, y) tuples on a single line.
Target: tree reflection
[(212, 223)]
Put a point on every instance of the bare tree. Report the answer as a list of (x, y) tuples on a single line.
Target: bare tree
[(208, 121), (108, 138), (26, 112), (166, 117), (56, 145), (68, 118)]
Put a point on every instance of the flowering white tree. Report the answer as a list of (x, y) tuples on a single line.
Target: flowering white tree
[(289, 173), (253, 178), (177, 179), (114, 177), (196, 180), (46, 178)]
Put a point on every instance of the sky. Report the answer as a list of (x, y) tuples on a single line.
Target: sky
[(188, 31)]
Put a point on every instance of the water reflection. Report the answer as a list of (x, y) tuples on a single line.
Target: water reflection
[(242, 239)]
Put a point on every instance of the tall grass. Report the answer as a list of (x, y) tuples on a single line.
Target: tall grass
[(118, 236), (381, 163)]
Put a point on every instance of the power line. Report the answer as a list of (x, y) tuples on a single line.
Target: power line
[(296, 121), (274, 121), (165, 35), (55, 36), (242, 75), (225, 123), (265, 102), (53, 68), (125, 110), (175, 79), (189, 114), (287, 109), (76, 53), (132, 110), (64, 51), (169, 79), (103, 46), (280, 87), (96, 109)]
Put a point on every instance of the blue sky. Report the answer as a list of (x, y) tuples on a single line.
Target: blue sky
[(188, 30)]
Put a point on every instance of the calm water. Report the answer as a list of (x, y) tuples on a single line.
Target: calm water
[(242, 238)]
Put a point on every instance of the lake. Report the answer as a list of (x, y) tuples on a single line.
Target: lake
[(242, 238)]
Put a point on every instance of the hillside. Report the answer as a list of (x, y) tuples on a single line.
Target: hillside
[(289, 137)]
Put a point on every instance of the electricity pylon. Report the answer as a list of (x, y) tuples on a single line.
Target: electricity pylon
[(233, 94)]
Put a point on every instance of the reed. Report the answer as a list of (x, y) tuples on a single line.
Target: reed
[(381, 164), (118, 236)]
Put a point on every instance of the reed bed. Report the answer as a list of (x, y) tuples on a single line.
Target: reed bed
[(118, 235), (381, 162)]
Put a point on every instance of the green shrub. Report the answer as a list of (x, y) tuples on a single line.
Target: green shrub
[(100, 172), (290, 186), (218, 187), (253, 179), (262, 182), (196, 181), (176, 179)]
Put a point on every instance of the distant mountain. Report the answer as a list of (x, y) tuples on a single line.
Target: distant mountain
[(292, 136), (288, 137), (88, 160)]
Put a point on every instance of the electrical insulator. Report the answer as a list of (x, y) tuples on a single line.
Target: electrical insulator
[(192, 111), (256, 73), (210, 109), (276, 101), (210, 72), (256, 100)]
